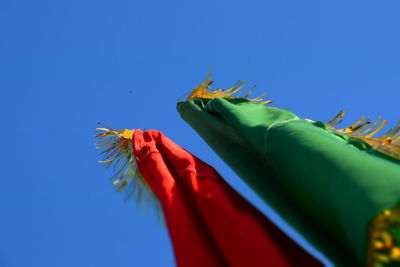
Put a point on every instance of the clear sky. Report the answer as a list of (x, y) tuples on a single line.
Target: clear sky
[(65, 65)]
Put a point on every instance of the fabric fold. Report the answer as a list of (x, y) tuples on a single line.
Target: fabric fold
[(210, 224)]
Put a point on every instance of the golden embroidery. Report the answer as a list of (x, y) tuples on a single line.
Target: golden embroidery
[(384, 247)]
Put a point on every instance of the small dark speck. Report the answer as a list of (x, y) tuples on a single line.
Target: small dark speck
[(131, 91)]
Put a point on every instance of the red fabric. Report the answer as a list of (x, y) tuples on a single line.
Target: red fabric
[(210, 224)]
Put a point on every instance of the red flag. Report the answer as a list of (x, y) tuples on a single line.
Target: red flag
[(210, 224)]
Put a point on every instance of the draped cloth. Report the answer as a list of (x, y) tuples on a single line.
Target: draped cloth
[(209, 223)]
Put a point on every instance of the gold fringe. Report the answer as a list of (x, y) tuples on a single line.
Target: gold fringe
[(384, 248), (389, 143), (201, 91), (118, 153)]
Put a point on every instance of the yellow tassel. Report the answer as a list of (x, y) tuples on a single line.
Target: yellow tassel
[(202, 91), (389, 143), (118, 152)]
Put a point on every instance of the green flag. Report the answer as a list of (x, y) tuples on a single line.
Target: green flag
[(333, 187)]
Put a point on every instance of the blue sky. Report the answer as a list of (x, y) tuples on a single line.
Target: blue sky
[(65, 65)]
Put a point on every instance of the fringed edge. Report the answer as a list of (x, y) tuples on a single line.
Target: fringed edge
[(364, 129), (202, 91), (118, 154), (384, 239)]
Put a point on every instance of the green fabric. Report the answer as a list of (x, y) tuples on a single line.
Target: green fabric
[(327, 185)]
